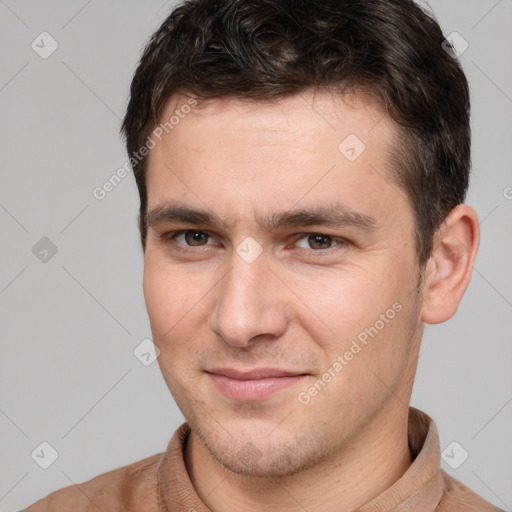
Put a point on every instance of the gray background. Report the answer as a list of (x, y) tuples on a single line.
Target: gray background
[(68, 375)]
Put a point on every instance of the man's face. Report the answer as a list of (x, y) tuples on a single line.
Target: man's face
[(252, 312)]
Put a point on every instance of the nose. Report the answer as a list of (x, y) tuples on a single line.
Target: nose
[(250, 304)]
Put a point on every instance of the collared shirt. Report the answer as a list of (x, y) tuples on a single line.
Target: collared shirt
[(161, 483)]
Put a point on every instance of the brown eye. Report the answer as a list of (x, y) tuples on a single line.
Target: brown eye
[(317, 241), (195, 238)]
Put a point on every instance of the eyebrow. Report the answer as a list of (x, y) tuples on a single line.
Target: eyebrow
[(336, 215)]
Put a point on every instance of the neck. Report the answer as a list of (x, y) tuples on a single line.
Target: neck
[(344, 482)]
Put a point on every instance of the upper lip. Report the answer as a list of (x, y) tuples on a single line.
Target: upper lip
[(257, 373)]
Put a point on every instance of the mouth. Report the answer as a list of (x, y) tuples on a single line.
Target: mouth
[(252, 385)]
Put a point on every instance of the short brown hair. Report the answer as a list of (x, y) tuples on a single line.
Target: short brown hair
[(267, 49)]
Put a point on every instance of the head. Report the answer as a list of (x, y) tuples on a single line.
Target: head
[(302, 168)]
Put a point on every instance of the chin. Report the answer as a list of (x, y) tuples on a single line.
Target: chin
[(257, 455), (250, 461)]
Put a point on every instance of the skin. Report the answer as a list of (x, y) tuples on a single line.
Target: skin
[(298, 305)]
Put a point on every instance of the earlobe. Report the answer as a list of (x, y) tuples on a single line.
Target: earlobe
[(449, 269)]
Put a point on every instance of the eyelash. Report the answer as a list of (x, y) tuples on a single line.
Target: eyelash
[(171, 237)]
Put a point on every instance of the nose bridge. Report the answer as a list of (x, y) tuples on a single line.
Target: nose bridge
[(247, 304)]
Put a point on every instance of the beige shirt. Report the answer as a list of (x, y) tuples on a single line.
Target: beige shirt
[(161, 483)]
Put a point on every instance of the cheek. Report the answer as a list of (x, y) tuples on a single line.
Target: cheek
[(158, 294), (179, 300), (174, 299), (339, 303), (358, 315)]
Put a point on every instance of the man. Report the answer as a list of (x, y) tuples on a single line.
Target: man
[(302, 169)]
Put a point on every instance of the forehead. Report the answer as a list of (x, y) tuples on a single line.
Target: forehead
[(310, 108), (231, 154)]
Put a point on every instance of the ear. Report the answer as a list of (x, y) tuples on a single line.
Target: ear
[(449, 268)]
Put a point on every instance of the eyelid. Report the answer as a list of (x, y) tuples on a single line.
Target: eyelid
[(339, 241), (173, 234)]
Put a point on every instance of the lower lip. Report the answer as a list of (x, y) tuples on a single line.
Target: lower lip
[(252, 389)]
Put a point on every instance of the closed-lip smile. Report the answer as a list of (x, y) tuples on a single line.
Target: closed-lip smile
[(254, 384)]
